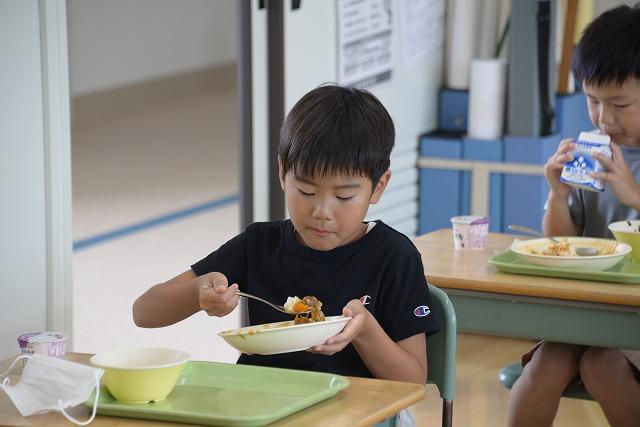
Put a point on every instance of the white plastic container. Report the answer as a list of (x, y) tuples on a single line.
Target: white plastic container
[(487, 93), (45, 343), (470, 231), (576, 172)]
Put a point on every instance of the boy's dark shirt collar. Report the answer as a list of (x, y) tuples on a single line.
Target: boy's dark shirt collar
[(303, 250)]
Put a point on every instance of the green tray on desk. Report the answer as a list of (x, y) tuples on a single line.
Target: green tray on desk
[(625, 271), (224, 394)]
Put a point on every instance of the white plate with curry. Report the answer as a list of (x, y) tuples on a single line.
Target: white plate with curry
[(283, 337), (546, 253)]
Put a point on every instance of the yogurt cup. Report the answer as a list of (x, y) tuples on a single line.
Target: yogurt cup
[(45, 343), (470, 231)]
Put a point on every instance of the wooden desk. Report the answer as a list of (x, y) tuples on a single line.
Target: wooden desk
[(363, 403), (488, 301)]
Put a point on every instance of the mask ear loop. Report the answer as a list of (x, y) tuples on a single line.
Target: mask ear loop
[(95, 406), (6, 373)]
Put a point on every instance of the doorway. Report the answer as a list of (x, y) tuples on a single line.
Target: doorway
[(154, 162)]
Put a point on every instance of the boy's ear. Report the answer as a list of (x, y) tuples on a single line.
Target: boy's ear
[(380, 187), (280, 174)]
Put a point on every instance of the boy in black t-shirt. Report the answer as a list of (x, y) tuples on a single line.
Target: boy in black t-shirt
[(334, 162)]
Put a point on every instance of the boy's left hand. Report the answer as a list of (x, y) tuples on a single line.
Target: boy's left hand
[(354, 326), (622, 181)]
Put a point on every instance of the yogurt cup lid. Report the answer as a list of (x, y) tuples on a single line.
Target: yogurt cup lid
[(469, 220), (42, 337)]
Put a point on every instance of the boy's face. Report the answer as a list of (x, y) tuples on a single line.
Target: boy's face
[(327, 212), (615, 110)]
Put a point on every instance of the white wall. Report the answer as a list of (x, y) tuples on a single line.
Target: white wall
[(114, 43), (23, 289), (604, 5)]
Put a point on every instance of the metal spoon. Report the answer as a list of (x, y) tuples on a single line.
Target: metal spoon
[(276, 306), (580, 251)]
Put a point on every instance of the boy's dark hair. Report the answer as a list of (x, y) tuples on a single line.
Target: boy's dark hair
[(609, 50), (335, 129)]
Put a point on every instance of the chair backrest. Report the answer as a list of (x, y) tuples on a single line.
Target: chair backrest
[(441, 346)]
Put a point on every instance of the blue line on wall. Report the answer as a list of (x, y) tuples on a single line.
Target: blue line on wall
[(81, 244)]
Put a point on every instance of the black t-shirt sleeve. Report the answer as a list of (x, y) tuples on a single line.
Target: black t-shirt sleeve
[(406, 310), (230, 259)]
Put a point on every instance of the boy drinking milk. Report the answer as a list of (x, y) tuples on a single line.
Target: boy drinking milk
[(607, 62)]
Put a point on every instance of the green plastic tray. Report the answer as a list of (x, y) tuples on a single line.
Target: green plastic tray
[(223, 394), (625, 271)]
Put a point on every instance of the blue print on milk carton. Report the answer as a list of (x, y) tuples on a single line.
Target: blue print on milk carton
[(576, 172)]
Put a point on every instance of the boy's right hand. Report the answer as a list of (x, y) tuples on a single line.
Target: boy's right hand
[(216, 297), (554, 165)]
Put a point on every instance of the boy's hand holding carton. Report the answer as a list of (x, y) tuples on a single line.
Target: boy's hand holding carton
[(580, 169), (618, 175), (588, 163), (554, 166)]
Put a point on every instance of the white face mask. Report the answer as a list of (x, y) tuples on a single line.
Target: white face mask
[(49, 383)]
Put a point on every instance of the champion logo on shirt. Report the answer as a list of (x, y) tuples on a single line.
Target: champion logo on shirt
[(421, 311), (365, 299)]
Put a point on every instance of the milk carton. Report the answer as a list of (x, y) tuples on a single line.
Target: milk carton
[(576, 172)]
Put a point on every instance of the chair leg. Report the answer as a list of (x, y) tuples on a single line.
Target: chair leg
[(447, 413)]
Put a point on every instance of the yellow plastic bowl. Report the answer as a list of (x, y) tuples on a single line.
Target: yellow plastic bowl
[(140, 375), (625, 233)]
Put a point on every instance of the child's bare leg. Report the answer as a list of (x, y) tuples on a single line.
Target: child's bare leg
[(610, 380), (534, 398)]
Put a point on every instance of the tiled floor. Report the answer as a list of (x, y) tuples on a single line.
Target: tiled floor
[(156, 149)]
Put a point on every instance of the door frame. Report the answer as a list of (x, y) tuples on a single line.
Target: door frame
[(57, 163), (256, 172)]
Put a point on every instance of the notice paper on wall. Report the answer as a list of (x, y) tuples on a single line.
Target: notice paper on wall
[(422, 26), (364, 42)]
